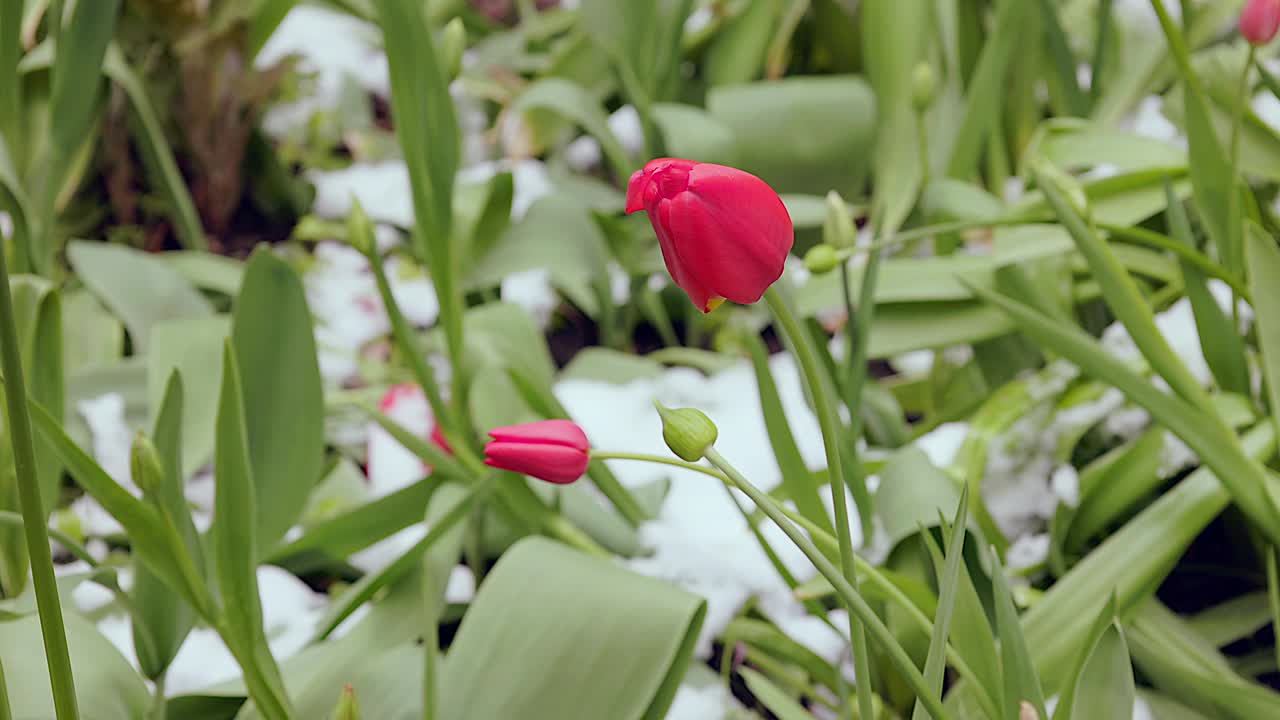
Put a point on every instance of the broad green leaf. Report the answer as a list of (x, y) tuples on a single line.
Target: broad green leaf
[(283, 400), (265, 19), (152, 141), (106, 687), (801, 134), (1104, 620), (1232, 620), (503, 335), (1263, 261), (1112, 485), (690, 132), (483, 212), (912, 494), (192, 347), (437, 561), (1105, 687), (216, 273), (737, 53), (526, 622), (894, 41), (573, 102), (91, 336), (642, 39), (141, 289)]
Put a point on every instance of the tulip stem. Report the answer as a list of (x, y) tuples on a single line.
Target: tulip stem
[(827, 545), (48, 606), (1234, 224), (853, 601), (832, 431)]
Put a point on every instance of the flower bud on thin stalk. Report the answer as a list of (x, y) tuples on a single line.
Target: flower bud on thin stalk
[(821, 259), (1259, 21), (838, 228), (556, 451), (145, 466), (453, 42), (924, 87), (687, 431)]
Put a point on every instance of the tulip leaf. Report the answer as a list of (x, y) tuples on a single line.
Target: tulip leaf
[(572, 101), (284, 407), (801, 134), (193, 348), (526, 621), (1263, 261)]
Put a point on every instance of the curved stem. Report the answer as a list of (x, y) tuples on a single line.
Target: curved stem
[(858, 608), (1234, 225), (1183, 251), (832, 431), (828, 546), (48, 605)]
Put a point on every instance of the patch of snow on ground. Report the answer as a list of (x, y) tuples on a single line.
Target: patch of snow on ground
[(391, 466), (382, 188), (531, 289), (1148, 120), (333, 46), (711, 702), (699, 540)]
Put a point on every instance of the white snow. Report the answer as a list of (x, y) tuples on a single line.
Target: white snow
[(382, 188), (531, 289), (334, 46), (584, 153), (943, 442), (699, 540), (710, 702), (1148, 120)]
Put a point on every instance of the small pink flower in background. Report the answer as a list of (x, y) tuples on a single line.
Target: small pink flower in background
[(551, 450), (439, 440), (390, 465), (1260, 20), (725, 233)]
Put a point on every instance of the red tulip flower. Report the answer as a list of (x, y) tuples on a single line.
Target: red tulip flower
[(725, 233), (551, 450), (1259, 21), (439, 440)]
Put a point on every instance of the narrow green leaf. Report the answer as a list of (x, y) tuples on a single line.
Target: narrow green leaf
[(437, 562), (948, 574), (1105, 688), (266, 18), (1264, 283), (572, 101), (777, 700), (798, 482), (10, 81), (1220, 342), (1021, 682), (1063, 62), (283, 401), (1071, 690)]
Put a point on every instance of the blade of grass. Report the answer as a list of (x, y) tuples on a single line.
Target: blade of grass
[(1264, 281), (10, 81)]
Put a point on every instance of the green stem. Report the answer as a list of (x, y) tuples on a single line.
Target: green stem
[(1234, 225), (856, 374), (6, 713), (260, 690), (158, 701), (858, 608), (830, 548), (1183, 251), (48, 605), (832, 431)]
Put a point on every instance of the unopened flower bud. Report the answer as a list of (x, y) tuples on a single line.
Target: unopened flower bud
[(144, 463), (1259, 21), (923, 87), (821, 259), (360, 229), (838, 229), (453, 41), (348, 708), (688, 432)]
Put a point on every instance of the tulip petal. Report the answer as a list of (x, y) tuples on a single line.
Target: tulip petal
[(672, 256), (545, 432), (558, 464)]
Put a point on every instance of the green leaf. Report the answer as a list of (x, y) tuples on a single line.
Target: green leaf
[(266, 18), (106, 686), (798, 483), (526, 622), (1263, 261), (777, 700), (484, 212), (141, 289), (642, 40), (913, 493), (90, 335), (737, 53), (801, 134), (283, 400), (987, 87), (192, 347), (1105, 687), (217, 273), (948, 573), (163, 619), (573, 102), (1021, 683), (693, 133)]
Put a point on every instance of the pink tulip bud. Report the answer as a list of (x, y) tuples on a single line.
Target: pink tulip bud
[(438, 439), (725, 233), (1259, 21), (551, 450)]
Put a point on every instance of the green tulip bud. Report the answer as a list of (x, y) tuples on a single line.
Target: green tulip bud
[(923, 87), (360, 230), (347, 708), (453, 41), (144, 462), (688, 432), (838, 229), (821, 259)]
